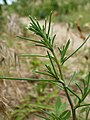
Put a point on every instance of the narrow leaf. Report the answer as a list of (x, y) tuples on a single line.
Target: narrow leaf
[(40, 116), (73, 93), (84, 105), (77, 49), (85, 95), (60, 51), (27, 79), (72, 78), (79, 88), (87, 113), (50, 58), (32, 55), (44, 73), (47, 113), (53, 39), (58, 85), (38, 23), (29, 39), (45, 24), (65, 115), (33, 21), (65, 50), (49, 68), (88, 82)]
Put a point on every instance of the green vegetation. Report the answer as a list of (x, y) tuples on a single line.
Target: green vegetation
[(55, 71), (42, 8), (70, 11)]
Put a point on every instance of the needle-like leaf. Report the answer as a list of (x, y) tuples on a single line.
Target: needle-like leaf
[(50, 58), (79, 87), (77, 49), (44, 73), (32, 55), (24, 38), (27, 79), (74, 93)]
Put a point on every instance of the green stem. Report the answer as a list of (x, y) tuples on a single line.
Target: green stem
[(65, 88), (74, 114), (70, 102), (59, 67), (83, 105)]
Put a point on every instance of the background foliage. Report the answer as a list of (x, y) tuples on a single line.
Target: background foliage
[(69, 11)]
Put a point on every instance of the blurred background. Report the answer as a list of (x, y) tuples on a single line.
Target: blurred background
[(64, 10)]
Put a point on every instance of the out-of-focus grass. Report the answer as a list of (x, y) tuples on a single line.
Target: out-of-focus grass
[(82, 17)]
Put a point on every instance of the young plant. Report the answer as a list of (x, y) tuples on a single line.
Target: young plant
[(54, 70)]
